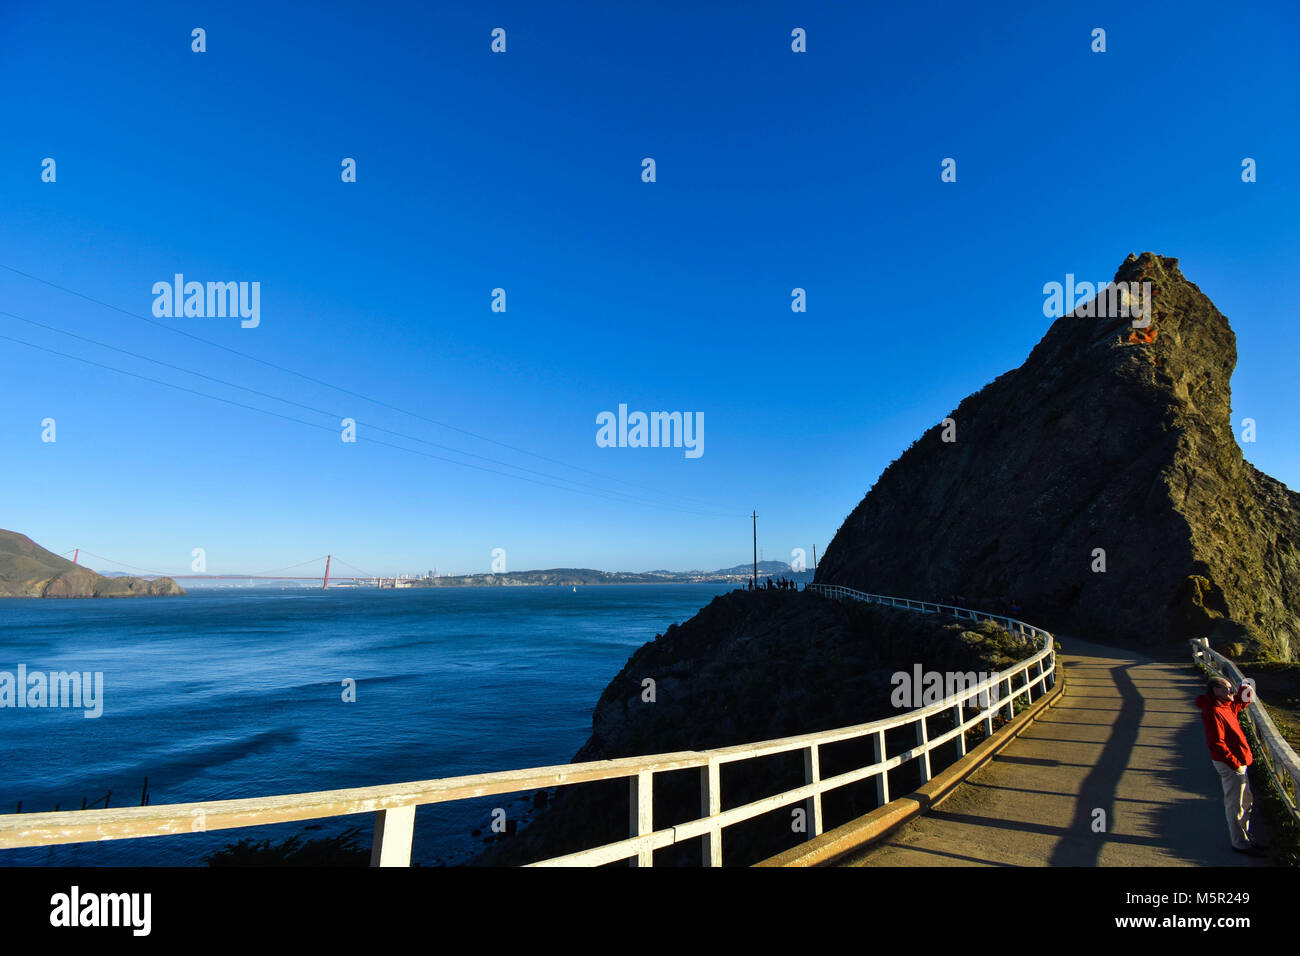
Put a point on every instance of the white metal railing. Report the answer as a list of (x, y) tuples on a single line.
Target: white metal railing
[(394, 804), (1012, 625), (1280, 759)]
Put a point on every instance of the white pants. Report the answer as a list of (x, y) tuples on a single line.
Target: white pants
[(1236, 803)]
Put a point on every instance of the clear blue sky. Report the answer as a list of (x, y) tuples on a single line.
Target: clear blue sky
[(522, 170)]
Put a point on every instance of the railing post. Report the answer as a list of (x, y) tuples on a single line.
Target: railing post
[(989, 709), (394, 830), (956, 722), (812, 774), (711, 805), (882, 778), (922, 739), (641, 799)]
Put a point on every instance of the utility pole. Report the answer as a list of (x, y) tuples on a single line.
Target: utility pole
[(755, 517)]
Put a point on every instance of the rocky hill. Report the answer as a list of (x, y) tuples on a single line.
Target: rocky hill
[(28, 570), (1105, 445)]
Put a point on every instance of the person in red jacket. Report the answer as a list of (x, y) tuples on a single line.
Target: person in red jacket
[(1230, 755)]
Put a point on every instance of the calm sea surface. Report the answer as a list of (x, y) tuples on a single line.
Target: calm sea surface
[(227, 694)]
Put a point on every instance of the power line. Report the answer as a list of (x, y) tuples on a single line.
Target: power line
[(321, 411), (338, 388), (331, 430)]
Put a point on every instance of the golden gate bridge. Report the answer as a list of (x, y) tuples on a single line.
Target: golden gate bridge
[(277, 574)]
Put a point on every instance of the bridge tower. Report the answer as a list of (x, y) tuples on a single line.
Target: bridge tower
[(326, 586), (75, 554)]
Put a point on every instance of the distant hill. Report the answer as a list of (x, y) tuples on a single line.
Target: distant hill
[(28, 570), (764, 568)]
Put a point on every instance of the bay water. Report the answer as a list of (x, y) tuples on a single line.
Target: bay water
[(240, 693)]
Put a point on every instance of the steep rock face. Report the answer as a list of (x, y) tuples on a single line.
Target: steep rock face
[(755, 666), (1096, 442), (28, 570)]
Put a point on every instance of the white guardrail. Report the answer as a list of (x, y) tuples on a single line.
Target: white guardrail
[(394, 804), (1282, 763)]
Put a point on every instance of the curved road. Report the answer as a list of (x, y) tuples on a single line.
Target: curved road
[(1126, 738)]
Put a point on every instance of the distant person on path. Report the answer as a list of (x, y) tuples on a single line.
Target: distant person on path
[(1230, 755)]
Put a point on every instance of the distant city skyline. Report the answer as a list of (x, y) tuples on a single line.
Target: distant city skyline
[(497, 274)]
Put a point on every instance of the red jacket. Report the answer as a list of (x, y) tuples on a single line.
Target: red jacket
[(1222, 731)]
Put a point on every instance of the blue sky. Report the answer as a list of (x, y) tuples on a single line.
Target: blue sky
[(522, 171)]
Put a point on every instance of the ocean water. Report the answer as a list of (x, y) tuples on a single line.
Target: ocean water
[(233, 693)]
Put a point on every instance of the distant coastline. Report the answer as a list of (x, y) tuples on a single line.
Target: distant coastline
[(574, 577), (550, 577), (27, 570)]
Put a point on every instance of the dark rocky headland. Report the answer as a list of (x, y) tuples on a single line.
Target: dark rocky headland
[(1096, 443), (1100, 440)]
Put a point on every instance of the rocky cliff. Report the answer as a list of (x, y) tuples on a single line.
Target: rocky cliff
[(754, 666), (28, 570), (1099, 486)]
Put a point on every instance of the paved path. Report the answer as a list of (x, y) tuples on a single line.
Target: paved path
[(1126, 738)]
